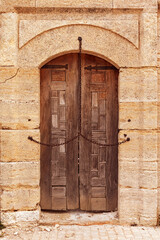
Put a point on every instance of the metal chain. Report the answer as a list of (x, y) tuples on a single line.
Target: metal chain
[(72, 139), (53, 145), (103, 144)]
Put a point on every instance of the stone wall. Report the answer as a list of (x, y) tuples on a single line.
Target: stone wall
[(122, 32)]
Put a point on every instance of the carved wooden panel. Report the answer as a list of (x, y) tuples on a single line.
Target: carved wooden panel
[(79, 175), (98, 164)]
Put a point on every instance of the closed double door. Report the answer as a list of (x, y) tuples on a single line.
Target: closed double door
[(79, 174)]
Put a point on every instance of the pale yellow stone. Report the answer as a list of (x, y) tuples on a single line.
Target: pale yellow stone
[(20, 174), (9, 38), (138, 85), (19, 3), (71, 3), (19, 216), (148, 205), (135, 4), (128, 28), (19, 98), (104, 43), (148, 40), (128, 205), (19, 114), (129, 174), (138, 115), (142, 145), (20, 199), (138, 174), (16, 147), (19, 84)]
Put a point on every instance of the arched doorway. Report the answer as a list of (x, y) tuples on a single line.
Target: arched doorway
[(79, 174)]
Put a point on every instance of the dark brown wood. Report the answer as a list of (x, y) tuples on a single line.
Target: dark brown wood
[(45, 129), (99, 165), (95, 186)]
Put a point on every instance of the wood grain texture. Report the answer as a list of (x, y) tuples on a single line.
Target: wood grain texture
[(45, 126), (93, 186)]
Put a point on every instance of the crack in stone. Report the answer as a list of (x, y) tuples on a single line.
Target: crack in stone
[(10, 77)]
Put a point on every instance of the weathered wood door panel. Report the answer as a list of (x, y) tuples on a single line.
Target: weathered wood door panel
[(79, 175), (98, 165)]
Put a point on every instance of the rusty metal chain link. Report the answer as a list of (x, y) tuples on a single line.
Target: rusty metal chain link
[(79, 135), (79, 119)]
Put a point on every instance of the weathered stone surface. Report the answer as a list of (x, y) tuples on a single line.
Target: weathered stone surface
[(138, 174), (19, 114), (71, 3), (28, 29), (138, 115), (139, 205), (142, 146), (138, 85), (19, 98), (148, 207), (135, 4), (9, 38), (58, 41), (19, 216), (128, 206), (19, 3), (19, 84), (15, 146), (20, 174), (148, 41), (20, 199)]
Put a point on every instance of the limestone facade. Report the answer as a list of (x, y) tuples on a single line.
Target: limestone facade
[(125, 33)]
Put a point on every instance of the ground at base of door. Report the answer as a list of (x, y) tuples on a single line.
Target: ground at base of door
[(30, 231), (78, 218)]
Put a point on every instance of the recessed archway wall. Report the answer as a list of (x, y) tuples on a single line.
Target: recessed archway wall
[(137, 201)]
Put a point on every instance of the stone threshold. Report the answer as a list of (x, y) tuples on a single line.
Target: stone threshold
[(78, 218)]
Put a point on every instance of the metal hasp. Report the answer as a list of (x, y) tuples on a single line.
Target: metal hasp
[(99, 67), (56, 66)]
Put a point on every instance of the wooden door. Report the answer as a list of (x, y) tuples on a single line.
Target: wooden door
[(79, 175), (98, 164)]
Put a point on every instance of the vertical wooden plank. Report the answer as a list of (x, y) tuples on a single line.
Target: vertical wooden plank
[(85, 146), (72, 107), (45, 127), (99, 165), (112, 137)]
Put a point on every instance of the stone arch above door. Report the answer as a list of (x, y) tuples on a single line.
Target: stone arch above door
[(97, 41)]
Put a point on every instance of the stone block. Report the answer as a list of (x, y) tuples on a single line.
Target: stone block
[(138, 85), (104, 43), (9, 38), (78, 3), (15, 146), (19, 216), (19, 174), (149, 4), (148, 39), (148, 176), (138, 174), (148, 207), (129, 174), (142, 146), (20, 199), (138, 115), (128, 205), (17, 114), (127, 28), (19, 3), (19, 84)]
